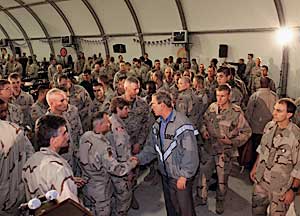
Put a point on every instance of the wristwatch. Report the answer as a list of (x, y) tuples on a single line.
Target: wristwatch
[(294, 189)]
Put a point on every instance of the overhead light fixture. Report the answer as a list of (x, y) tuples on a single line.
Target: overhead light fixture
[(284, 35)]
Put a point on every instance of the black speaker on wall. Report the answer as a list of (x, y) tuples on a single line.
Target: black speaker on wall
[(223, 51), (119, 48), (18, 50)]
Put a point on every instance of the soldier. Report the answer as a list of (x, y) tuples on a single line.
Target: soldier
[(59, 70), (174, 144), (40, 107), (15, 149), (51, 69), (108, 92), (188, 103), (98, 161), (58, 105), (21, 98), (224, 129), (79, 97), (138, 121), (210, 84), (100, 102), (259, 112), (120, 86), (276, 173), (255, 73), (199, 90), (264, 73), (223, 77), (250, 64), (46, 169), (15, 114), (122, 146), (168, 78), (121, 72)]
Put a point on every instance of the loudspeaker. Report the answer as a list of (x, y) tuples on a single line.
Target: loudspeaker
[(119, 48), (18, 50), (223, 50)]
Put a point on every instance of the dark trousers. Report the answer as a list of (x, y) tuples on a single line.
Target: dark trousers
[(178, 202)]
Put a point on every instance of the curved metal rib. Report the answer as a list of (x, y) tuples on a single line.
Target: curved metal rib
[(100, 27), (9, 40), (66, 21), (20, 27), (39, 21), (285, 51), (137, 24)]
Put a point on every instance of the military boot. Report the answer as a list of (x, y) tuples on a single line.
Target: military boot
[(219, 206)]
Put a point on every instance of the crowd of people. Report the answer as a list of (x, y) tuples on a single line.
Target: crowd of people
[(91, 129)]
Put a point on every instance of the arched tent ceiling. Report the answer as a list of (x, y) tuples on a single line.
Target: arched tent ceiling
[(37, 25)]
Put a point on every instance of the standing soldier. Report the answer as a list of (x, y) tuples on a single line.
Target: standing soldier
[(224, 129), (210, 83), (15, 113), (97, 159), (276, 173), (100, 102), (122, 146), (40, 107), (138, 121), (21, 98), (15, 149), (79, 97)]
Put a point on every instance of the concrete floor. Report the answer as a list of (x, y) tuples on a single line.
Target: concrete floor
[(238, 199)]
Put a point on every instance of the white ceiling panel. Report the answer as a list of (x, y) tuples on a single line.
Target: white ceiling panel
[(11, 28), (157, 15), (115, 17), (291, 11), (230, 14), (27, 21), (79, 17), (8, 3), (50, 18)]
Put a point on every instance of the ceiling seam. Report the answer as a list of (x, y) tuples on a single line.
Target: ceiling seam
[(39, 21), (20, 27)]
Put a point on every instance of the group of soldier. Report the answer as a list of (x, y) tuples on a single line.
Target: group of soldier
[(91, 134)]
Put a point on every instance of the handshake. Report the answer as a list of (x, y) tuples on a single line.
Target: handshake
[(134, 160)]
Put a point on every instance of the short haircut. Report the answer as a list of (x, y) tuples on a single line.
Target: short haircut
[(42, 88), (185, 79), (199, 78), (62, 76), (122, 77), (14, 76), (52, 92), (264, 82), (251, 54), (104, 79), (47, 127), (210, 66), (168, 67), (224, 70), (224, 87), (290, 105), (95, 84), (163, 97), (118, 102), (87, 71), (4, 82), (132, 80), (98, 116), (266, 67)]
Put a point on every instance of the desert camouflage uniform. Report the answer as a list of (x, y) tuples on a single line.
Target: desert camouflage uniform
[(46, 170), (117, 77), (255, 73), (97, 159), (51, 72), (278, 165), (121, 185), (210, 87), (15, 149), (98, 106), (137, 123), (218, 156), (25, 101), (15, 114), (80, 98), (38, 109), (256, 85)]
